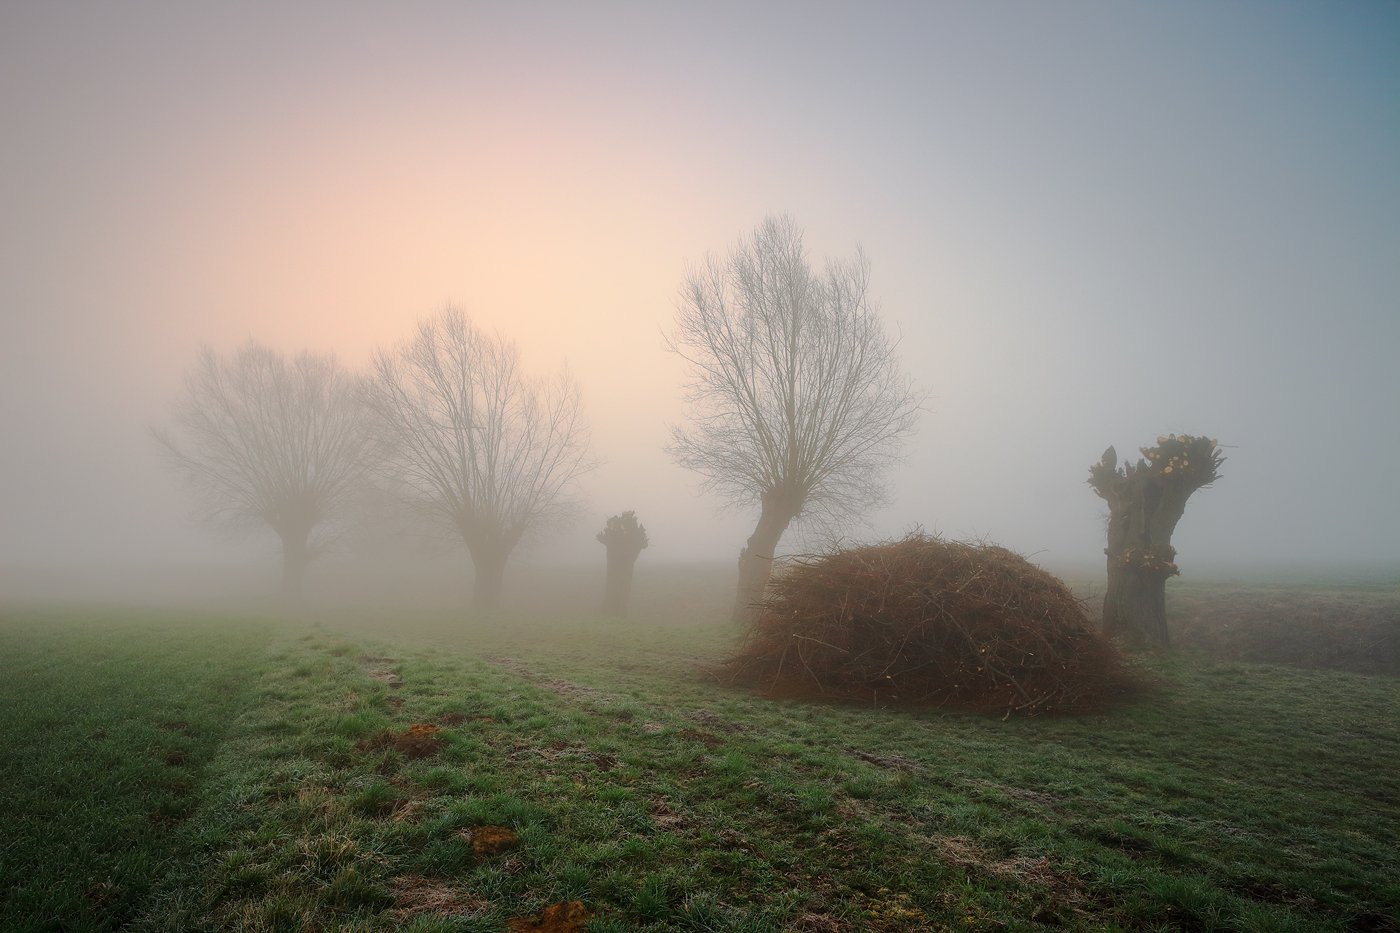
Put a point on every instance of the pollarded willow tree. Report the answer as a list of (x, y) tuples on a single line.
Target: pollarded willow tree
[(485, 449), (265, 439), (625, 538), (1145, 502), (798, 402)]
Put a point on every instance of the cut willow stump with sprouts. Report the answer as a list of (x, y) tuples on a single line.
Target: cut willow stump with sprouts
[(928, 621), (625, 538), (1145, 501)]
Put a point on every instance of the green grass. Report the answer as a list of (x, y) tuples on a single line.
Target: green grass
[(241, 780), (108, 728), (1320, 624)]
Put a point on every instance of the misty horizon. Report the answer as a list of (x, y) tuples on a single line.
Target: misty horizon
[(1086, 226)]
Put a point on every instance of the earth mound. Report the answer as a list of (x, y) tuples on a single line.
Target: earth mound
[(928, 621), (419, 740)]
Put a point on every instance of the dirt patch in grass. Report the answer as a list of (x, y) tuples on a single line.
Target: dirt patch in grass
[(420, 740), (665, 818), (1065, 889), (564, 917), (717, 722), (558, 750), (176, 758), (180, 726), (416, 896), (487, 841), (709, 740), (892, 762), (409, 810), (1019, 793), (389, 678)]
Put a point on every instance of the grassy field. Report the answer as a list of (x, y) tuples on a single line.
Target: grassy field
[(358, 771), (1353, 627)]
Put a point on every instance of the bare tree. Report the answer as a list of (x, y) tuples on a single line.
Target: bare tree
[(1145, 501), (264, 439), (485, 449), (798, 401)]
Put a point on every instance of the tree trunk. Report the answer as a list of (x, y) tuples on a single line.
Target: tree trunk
[(1145, 502), (1135, 606), (621, 561), (756, 560), (1140, 559), (490, 567), (295, 556)]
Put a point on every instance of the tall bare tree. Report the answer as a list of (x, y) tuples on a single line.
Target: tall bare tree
[(266, 439), (485, 449), (1145, 501), (797, 399)]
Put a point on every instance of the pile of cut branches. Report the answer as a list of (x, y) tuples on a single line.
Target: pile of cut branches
[(928, 621)]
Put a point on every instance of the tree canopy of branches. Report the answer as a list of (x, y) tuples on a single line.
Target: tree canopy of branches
[(797, 399), (487, 450), (625, 538), (264, 439), (1145, 502)]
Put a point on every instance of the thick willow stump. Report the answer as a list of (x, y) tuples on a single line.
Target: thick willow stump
[(1145, 501), (625, 541)]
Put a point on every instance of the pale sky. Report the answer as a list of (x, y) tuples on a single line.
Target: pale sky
[(1090, 223)]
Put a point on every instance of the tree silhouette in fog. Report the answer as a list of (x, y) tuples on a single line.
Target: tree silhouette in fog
[(1145, 501), (265, 439), (485, 449), (797, 400), (625, 538)]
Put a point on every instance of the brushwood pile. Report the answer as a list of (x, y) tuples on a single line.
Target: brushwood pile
[(927, 621)]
